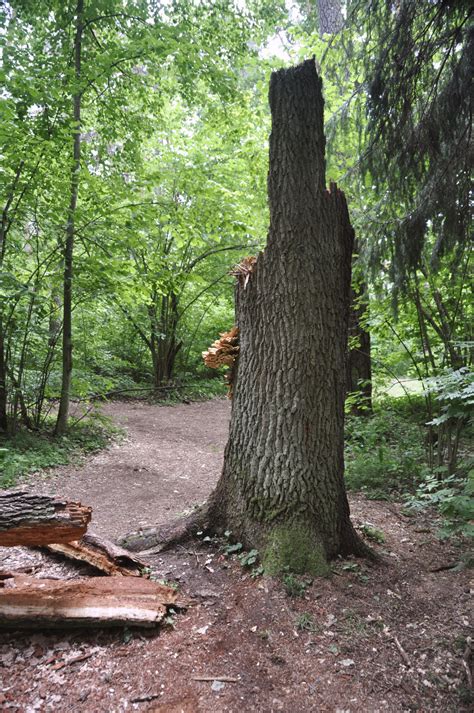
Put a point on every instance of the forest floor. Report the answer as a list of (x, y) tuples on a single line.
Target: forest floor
[(389, 637)]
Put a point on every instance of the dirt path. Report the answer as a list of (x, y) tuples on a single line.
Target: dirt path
[(169, 461), (391, 637)]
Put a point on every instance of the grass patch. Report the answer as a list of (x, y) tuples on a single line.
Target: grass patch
[(305, 622), (295, 586), (27, 453)]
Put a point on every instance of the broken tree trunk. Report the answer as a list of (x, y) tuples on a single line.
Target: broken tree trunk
[(101, 554), (92, 601), (282, 486), (27, 519)]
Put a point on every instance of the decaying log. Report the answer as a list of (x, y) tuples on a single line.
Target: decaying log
[(92, 601), (27, 519), (101, 554)]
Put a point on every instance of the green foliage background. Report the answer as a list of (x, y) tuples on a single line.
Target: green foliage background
[(172, 193)]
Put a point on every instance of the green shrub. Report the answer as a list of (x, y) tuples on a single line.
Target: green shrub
[(453, 496), (295, 586), (385, 454), (28, 452)]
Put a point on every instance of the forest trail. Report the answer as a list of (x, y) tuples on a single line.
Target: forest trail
[(169, 461), (388, 637)]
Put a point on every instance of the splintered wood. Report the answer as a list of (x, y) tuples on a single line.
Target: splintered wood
[(243, 270), (125, 597), (224, 352), (27, 519), (100, 601), (104, 556)]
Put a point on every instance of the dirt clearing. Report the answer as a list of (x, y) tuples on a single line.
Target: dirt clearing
[(390, 637)]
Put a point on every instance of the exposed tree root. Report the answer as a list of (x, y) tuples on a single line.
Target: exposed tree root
[(159, 539)]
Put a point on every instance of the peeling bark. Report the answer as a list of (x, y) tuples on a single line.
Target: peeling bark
[(27, 519)]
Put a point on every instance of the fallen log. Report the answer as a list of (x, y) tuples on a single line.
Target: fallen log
[(101, 554), (93, 601), (27, 519)]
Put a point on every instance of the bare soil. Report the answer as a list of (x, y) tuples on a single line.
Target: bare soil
[(168, 462), (386, 637)]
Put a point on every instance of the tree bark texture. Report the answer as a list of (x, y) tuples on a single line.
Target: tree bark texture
[(63, 413), (330, 17), (27, 519), (282, 487)]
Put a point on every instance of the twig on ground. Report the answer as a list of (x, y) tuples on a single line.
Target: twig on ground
[(224, 679), (402, 652), (466, 661), (145, 698), (444, 567), (76, 659)]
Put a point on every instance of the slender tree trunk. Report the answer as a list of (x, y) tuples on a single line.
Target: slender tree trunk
[(359, 366), (164, 344), (282, 487), (61, 423), (5, 225), (3, 382)]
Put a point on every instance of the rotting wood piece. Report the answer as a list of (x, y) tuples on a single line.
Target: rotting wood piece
[(101, 554), (28, 519), (92, 601)]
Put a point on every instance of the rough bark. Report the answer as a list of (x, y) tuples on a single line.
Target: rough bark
[(27, 519), (330, 17), (95, 601), (63, 412), (101, 554), (282, 487)]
